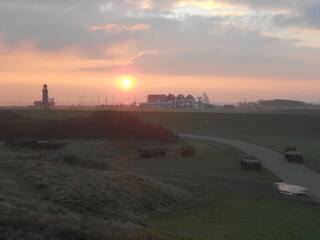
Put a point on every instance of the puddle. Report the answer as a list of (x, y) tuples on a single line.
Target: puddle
[(291, 189)]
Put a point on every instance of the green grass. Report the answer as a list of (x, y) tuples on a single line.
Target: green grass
[(214, 162), (131, 188), (42, 197), (243, 216), (274, 130), (227, 202)]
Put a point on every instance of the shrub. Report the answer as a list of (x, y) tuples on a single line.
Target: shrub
[(99, 125)]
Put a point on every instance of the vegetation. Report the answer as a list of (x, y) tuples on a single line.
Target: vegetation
[(38, 188), (101, 189), (275, 130), (245, 216), (105, 125), (42, 197)]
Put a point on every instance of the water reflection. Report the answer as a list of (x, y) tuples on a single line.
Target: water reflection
[(291, 189)]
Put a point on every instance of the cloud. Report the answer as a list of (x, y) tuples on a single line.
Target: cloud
[(306, 16), (210, 4), (54, 25), (269, 4), (115, 28), (207, 46), (144, 35)]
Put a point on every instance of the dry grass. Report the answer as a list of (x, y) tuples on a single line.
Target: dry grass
[(103, 190), (51, 200), (110, 195)]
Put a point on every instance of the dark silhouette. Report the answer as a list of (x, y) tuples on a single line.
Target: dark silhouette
[(99, 125)]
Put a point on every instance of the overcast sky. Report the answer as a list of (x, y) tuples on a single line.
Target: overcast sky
[(231, 49)]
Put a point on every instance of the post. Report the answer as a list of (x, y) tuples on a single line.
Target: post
[(206, 130)]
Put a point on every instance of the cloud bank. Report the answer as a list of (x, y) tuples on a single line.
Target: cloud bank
[(172, 37)]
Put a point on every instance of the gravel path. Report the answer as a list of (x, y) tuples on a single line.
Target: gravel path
[(291, 173)]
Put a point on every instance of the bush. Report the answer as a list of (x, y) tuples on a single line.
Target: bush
[(99, 125)]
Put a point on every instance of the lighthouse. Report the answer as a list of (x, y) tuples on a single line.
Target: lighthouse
[(45, 97), (46, 102)]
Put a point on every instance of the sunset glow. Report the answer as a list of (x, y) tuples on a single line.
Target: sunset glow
[(126, 83), (228, 49)]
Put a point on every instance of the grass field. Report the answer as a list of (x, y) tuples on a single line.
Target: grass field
[(67, 195), (205, 197), (108, 184), (245, 217), (274, 130)]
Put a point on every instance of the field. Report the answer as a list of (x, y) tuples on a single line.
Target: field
[(101, 189), (273, 130), (245, 216), (107, 182)]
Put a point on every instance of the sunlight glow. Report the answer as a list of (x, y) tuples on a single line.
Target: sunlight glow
[(209, 8), (126, 83), (201, 4)]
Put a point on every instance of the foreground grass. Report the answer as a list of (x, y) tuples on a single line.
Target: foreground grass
[(102, 190), (243, 216), (45, 200), (91, 185)]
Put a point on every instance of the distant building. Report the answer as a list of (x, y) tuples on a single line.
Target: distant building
[(190, 101), (46, 102), (248, 105), (229, 107), (280, 103), (157, 100), (173, 102), (180, 101)]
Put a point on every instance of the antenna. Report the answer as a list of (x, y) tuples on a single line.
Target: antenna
[(205, 98)]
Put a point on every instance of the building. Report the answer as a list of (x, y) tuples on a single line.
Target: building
[(46, 102), (176, 102), (157, 100), (229, 107), (190, 102), (281, 103), (180, 101), (171, 101)]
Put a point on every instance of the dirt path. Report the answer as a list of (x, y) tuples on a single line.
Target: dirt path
[(291, 173)]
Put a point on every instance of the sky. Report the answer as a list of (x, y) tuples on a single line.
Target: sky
[(234, 50)]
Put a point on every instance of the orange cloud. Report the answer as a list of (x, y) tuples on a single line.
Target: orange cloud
[(115, 28), (25, 57)]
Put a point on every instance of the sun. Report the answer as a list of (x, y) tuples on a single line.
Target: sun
[(126, 83)]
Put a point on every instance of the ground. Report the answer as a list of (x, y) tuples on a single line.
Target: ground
[(101, 189), (108, 182)]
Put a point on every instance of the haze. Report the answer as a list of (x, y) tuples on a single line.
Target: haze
[(231, 49)]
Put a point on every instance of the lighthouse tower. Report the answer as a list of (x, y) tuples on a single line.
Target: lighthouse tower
[(45, 97)]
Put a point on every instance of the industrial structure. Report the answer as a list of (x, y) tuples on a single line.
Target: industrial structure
[(46, 103)]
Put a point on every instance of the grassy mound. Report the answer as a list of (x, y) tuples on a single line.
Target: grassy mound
[(45, 200), (109, 195)]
